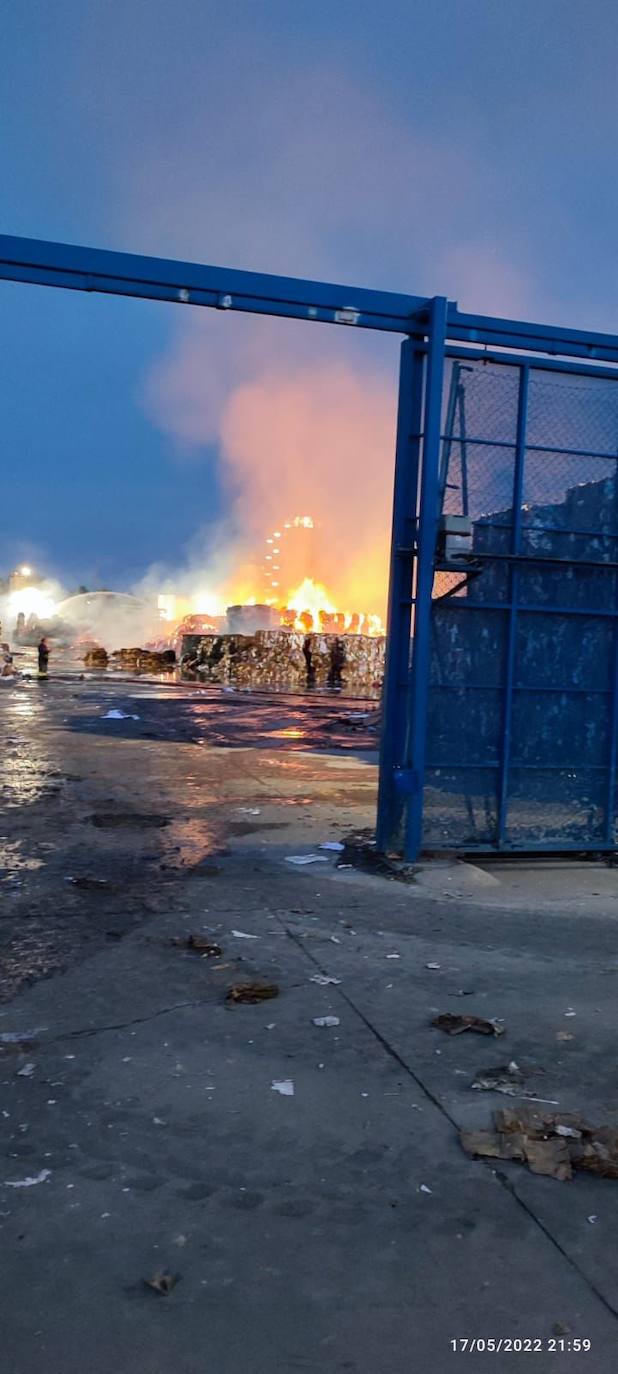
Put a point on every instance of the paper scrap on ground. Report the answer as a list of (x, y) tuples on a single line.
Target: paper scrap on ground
[(549, 1143), (28, 1182), (242, 935), (26, 1072), (162, 1282), (284, 1086), (500, 1078), (249, 810), (326, 1021), (455, 1025), (306, 859), (323, 979), (118, 715), (432, 966), (251, 992), (335, 845)]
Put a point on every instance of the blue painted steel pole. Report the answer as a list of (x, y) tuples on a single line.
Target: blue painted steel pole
[(612, 744), (397, 665), (427, 535), (511, 607), (449, 427)]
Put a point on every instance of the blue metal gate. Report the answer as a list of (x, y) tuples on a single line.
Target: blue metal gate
[(500, 693), (512, 681)]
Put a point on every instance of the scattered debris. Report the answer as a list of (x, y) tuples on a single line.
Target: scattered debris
[(570, 1012), (284, 1086), (393, 956), (27, 1071), (251, 992), (118, 715), (306, 859), (28, 1182), (249, 810), (456, 1025), (323, 979), (564, 1035), (432, 966), (510, 1079), (424, 1189), (335, 845), (592, 1220), (462, 992), (162, 1282), (326, 1021), (242, 935), (200, 944), (503, 1078), (549, 1143)]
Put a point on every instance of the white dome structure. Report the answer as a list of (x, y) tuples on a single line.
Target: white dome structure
[(115, 620)]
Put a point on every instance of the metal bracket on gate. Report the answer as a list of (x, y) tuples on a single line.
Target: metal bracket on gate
[(406, 781)]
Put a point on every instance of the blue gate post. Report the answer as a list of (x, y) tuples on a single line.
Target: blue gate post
[(397, 664), (511, 607), (426, 548)]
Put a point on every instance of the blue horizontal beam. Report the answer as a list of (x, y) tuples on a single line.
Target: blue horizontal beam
[(222, 288), (129, 274), (481, 354), (535, 338)]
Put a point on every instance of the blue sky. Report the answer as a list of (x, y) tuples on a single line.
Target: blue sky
[(466, 147)]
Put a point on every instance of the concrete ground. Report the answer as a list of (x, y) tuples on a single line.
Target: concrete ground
[(337, 1228)]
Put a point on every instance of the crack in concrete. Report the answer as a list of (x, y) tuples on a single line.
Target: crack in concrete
[(125, 1025)]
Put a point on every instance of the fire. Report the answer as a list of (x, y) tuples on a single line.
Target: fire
[(310, 607), (309, 599), (281, 587)]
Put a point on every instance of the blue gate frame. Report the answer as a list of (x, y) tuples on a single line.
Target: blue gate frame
[(424, 610)]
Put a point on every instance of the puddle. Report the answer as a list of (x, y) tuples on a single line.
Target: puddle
[(13, 861), (239, 828), (191, 840)]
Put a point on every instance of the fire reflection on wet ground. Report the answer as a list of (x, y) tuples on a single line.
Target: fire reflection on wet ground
[(239, 720), (104, 821)]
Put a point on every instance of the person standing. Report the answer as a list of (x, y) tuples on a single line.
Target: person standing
[(43, 655)]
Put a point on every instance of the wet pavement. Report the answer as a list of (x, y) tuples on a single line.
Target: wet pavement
[(335, 1225), (102, 816)]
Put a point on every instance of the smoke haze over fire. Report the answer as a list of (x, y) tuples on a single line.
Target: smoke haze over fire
[(294, 436), (368, 144)]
